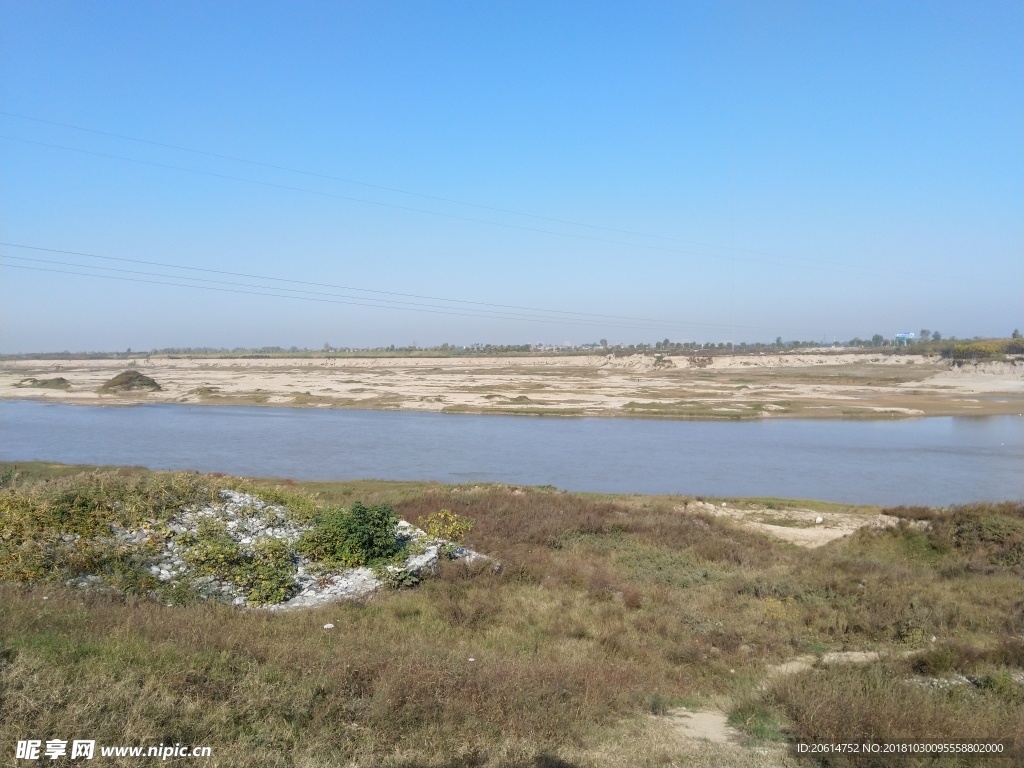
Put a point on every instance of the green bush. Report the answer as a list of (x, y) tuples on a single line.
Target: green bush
[(214, 552), (357, 537), (268, 573), (265, 573)]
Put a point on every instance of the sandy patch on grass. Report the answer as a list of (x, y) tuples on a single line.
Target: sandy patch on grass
[(709, 725), (803, 527)]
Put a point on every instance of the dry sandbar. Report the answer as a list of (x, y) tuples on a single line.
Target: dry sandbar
[(806, 384)]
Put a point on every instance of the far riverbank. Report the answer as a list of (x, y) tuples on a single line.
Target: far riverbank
[(808, 384)]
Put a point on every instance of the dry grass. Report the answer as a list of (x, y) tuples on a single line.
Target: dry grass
[(603, 612), (876, 702)]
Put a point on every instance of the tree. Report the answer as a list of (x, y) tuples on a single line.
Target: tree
[(778, 341), (877, 339), (604, 342), (925, 334), (936, 336), (1015, 334)]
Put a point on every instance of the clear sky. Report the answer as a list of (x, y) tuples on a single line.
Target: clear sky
[(721, 170)]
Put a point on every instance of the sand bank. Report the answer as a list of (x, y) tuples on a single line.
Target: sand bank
[(808, 384)]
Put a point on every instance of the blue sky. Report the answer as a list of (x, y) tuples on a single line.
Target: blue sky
[(746, 169)]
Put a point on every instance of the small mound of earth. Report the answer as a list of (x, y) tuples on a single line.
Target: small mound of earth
[(130, 381), (58, 383)]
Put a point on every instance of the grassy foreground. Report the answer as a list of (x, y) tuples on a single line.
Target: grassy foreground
[(607, 613)]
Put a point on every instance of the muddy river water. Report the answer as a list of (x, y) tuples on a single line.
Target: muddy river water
[(935, 461)]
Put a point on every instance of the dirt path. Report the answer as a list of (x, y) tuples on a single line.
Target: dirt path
[(709, 725), (706, 734)]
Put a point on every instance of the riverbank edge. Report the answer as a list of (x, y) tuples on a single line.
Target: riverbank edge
[(1012, 409), (56, 469)]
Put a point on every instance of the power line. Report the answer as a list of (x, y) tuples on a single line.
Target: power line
[(310, 298), (587, 317), (363, 302), (666, 249), (382, 187), (351, 288), (381, 303)]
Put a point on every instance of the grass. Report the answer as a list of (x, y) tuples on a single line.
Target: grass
[(56, 383), (786, 522), (876, 702), (606, 613)]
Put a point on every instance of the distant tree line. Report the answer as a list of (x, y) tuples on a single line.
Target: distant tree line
[(925, 342)]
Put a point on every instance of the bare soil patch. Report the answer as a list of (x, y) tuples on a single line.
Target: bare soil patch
[(803, 527)]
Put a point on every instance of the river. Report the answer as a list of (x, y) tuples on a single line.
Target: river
[(936, 461)]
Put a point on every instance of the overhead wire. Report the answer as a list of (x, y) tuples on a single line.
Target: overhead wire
[(335, 286), (360, 301), (382, 187), (572, 318), (315, 299), (320, 193), (562, 316)]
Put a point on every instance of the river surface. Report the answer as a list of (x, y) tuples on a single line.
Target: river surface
[(937, 461)]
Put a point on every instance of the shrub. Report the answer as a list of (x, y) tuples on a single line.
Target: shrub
[(350, 539), (268, 573), (994, 532), (447, 525), (214, 552), (947, 658), (54, 529), (265, 573), (915, 513), (981, 350)]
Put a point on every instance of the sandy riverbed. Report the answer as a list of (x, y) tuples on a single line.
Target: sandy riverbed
[(822, 384)]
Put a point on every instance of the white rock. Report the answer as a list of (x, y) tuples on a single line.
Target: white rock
[(328, 626), (249, 520), (819, 520)]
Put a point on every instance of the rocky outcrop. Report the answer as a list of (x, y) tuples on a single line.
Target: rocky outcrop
[(247, 522)]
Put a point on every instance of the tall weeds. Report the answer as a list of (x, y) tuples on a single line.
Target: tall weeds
[(601, 613)]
